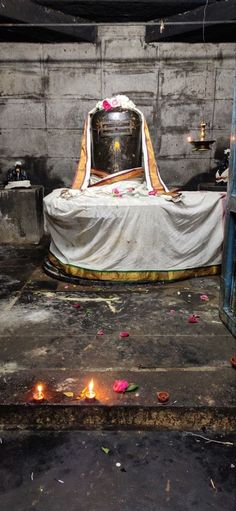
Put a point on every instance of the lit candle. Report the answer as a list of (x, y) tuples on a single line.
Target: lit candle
[(90, 394), (38, 394), (189, 139)]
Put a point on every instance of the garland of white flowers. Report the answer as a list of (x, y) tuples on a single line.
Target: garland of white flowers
[(120, 100)]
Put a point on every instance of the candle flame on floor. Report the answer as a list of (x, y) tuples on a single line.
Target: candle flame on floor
[(90, 389)]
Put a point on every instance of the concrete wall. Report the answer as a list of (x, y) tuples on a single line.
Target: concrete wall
[(47, 90)]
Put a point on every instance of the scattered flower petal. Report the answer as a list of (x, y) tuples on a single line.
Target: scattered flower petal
[(124, 334), (66, 286), (152, 192), (118, 465), (100, 332), (204, 298), (120, 385), (76, 305), (60, 481), (193, 318), (32, 476)]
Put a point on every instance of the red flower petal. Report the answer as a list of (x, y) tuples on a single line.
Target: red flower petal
[(76, 305), (100, 332), (124, 334), (193, 318)]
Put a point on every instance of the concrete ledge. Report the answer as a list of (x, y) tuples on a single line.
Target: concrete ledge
[(192, 406), (58, 417), (21, 213)]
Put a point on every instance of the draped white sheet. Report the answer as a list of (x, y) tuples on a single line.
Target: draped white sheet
[(96, 230)]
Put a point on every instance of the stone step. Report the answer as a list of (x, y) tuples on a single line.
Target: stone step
[(199, 397)]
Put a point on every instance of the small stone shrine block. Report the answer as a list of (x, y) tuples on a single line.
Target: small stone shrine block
[(21, 215)]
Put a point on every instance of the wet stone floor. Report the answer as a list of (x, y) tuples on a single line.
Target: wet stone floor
[(146, 471)]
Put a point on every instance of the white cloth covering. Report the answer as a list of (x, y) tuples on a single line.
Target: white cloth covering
[(97, 230)]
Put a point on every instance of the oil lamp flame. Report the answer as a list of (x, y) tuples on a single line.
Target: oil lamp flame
[(90, 394), (38, 393)]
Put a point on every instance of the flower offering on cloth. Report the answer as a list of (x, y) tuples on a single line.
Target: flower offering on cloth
[(152, 192), (120, 385)]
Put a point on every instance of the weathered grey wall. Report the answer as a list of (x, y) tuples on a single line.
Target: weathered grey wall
[(47, 90)]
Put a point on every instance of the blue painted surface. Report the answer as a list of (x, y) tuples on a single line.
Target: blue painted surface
[(228, 285)]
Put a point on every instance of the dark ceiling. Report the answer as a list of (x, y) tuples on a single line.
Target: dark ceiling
[(185, 18)]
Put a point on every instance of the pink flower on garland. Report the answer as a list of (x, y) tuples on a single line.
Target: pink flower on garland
[(120, 385), (114, 103), (106, 105)]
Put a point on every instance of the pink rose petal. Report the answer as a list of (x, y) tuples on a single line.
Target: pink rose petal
[(106, 105), (76, 305), (124, 334), (114, 103), (152, 192), (193, 318), (120, 385), (116, 191), (204, 298), (100, 332)]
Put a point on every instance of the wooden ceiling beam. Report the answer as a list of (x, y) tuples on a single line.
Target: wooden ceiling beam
[(215, 12), (26, 11)]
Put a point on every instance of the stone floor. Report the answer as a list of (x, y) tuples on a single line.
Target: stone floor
[(45, 336), (45, 466), (161, 471)]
